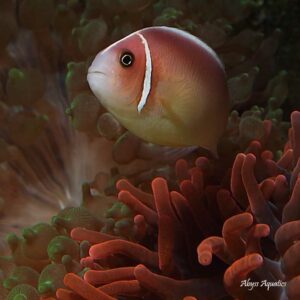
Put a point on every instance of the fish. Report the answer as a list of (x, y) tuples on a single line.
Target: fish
[(165, 86)]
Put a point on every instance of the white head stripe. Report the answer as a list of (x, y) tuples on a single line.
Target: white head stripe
[(147, 78)]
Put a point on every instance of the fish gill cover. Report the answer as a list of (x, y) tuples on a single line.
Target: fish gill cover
[(92, 212)]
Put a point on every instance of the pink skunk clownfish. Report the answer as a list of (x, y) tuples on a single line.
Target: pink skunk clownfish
[(165, 86)]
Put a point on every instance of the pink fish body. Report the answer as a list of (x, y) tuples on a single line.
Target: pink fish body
[(165, 86)]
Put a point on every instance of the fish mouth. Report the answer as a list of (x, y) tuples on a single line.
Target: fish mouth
[(93, 77), (94, 71)]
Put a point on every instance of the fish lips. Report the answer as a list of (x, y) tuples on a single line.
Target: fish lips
[(93, 79)]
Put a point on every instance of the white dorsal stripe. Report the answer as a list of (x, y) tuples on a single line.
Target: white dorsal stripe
[(148, 73)]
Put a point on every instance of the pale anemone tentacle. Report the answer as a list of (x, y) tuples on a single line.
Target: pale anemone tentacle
[(148, 73)]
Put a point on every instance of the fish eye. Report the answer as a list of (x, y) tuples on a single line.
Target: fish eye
[(126, 59)]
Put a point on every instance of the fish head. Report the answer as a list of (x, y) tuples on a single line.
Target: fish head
[(116, 75)]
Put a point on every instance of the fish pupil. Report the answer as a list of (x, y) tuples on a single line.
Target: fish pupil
[(126, 59)]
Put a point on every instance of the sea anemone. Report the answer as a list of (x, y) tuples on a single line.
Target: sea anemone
[(125, 222)]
